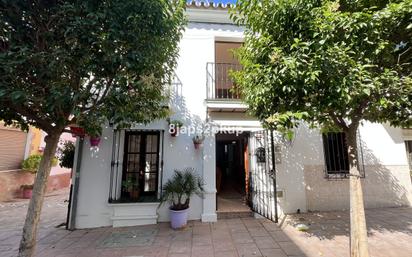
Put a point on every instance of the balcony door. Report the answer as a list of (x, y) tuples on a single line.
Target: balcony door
[(140, 165), (225, 61)]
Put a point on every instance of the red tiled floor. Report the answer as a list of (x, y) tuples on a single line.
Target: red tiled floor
[(390, 234)]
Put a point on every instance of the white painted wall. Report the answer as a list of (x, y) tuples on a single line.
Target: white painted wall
[(304, 149), (387, 181), (188, 93), (300, 173)]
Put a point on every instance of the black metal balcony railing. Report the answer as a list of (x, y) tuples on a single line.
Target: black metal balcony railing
[(219, 84)]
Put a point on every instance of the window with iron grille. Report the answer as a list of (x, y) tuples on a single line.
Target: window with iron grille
[(336, 154)]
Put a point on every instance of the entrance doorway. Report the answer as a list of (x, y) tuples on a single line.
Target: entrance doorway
[(232, 172)]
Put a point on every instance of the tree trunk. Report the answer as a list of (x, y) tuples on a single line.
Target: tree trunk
[(28, 240), (358, 232)]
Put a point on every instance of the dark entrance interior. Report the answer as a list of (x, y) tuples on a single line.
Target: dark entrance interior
[(232, 168)]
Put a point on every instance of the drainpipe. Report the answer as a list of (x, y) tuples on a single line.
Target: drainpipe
[(274, 175), (71, 224)]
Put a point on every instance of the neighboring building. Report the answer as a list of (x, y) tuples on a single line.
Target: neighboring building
[(311, 170), (15, 146)]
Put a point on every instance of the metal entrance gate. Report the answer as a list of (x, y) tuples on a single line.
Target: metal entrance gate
[(262, 175)]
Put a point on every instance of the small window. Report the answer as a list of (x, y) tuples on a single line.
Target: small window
[(336, 154)]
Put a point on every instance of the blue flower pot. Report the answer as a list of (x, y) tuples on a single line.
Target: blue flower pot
[(178, 219)]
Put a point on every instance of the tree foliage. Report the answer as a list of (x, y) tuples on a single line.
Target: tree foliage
[(66, 154), (86, 62), (331, 62)]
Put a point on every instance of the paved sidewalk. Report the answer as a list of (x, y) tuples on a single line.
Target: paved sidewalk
[(390, 235), (12, 215)]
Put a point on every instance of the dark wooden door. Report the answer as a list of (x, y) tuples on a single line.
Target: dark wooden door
[(141, 164)]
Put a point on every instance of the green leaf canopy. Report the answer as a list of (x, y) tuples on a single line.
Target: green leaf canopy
[(331, 63), (86, 61)]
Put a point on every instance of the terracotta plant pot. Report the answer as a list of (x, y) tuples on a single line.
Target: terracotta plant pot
[(94, 141), (27, 193), (198, 145), (77, 131)]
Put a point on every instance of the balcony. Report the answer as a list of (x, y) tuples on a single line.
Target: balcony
[(222, 93)]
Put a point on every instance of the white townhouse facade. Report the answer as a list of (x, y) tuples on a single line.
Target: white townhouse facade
[(237, 168)]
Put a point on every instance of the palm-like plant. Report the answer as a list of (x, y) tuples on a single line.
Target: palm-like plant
[(181, 187)]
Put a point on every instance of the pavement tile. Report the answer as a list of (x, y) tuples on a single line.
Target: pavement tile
[(202, 251), (226, 254), (290, 248), (202, 240), (242, 238), (180, 247), (273, 253), (280, 236), (222, 246), (265, 242), (389, 231), (258, 232), (249, 249)]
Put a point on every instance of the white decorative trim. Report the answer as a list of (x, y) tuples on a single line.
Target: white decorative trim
[(208, 16), (134, 221), (209, 217), (154, 204), (134, 214), (226, 105), (210, 191)]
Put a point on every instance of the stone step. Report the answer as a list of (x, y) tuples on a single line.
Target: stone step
[(234, 214)]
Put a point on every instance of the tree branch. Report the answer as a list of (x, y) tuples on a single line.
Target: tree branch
[(44, 125), (338, 120), (358, 112), (99, 99)]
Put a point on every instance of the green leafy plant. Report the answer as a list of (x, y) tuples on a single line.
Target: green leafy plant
[(130, 183), (332, 64), (92, 124), (176, 123), (32, 163), (89, 63), (66, 154), (181, 187)]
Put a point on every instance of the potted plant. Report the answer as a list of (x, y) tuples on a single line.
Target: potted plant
[(174, 126), (178, 191), (94, 132), (198, 141), (92, 125), (130, 185), (32, 163), (76, 130), (27, 191)]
